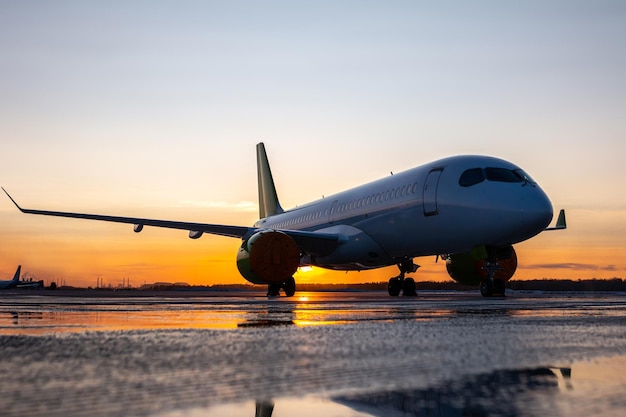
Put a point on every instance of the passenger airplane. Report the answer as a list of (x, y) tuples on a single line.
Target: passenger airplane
[(11, 283), (469, 210)]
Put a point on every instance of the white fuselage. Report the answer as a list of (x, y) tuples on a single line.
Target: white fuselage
[(423, 211)]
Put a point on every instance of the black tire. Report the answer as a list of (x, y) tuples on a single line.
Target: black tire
[(486, 289), (408, 288), (394, 287), (273, 290), (499, 287), (290, 287)]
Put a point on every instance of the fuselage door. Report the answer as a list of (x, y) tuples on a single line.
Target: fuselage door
[(430, 192), (332, 215)]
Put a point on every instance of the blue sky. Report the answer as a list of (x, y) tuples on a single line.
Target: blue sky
[(153, 108)]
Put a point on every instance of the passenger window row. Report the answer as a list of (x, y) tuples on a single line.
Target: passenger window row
[(302, 219), (377, 198), (390, 194)]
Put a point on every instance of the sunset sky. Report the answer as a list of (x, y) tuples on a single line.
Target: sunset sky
[(153, 109)]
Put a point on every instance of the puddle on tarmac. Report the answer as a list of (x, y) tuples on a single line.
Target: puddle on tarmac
[(31, 315), (585, 388), (39, 316)]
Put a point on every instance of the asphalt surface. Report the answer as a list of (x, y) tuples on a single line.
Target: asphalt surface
[(341, 354)]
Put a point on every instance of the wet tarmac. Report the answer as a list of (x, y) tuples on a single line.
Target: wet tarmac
[(331, 354)]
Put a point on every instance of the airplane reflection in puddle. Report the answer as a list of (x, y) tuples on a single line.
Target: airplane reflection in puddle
[(559, 391), (129, 314), (61, 321)]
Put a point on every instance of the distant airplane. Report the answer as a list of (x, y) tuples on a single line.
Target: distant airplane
[(469, 210), (11, 283)]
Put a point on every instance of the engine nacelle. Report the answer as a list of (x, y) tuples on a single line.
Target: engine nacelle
[(470, 268), (268, 257)]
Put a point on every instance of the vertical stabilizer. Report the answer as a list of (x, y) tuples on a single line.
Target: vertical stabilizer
[(16, 277), (268, 199)]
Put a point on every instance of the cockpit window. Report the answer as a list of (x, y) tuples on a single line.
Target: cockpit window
[(525, 176), (475, 176), (471, 177), (503, 175)]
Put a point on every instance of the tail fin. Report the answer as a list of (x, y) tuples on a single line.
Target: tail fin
[(16, 277), (268, 199)]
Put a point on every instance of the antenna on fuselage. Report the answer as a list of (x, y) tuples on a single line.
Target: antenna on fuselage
[(268, 199)]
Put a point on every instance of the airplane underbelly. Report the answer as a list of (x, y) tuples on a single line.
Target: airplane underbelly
[(411, 234), (358, 252)]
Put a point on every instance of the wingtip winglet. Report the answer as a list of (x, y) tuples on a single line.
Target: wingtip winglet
[(561, 222), (11, 198)]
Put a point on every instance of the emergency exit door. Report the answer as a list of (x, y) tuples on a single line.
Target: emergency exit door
[(430, 192)]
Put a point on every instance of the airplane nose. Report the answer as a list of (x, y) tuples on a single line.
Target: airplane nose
[(537, 213)]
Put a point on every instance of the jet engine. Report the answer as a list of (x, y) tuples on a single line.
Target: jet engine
[(268, 257), (471, 268)]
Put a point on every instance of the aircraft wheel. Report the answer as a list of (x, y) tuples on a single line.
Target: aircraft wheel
[(498, 287), (486, 289), (394, 287), (273, 290), (290, 287), (408, 288)]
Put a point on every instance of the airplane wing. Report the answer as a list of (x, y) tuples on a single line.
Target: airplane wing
[(195, 229), (309, 242), (314, 243)]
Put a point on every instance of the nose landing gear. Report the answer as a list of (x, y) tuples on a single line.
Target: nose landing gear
[(491, 285), (399, 283)]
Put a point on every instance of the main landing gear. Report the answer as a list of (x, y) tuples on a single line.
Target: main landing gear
[(273, 290), (399, 283)]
